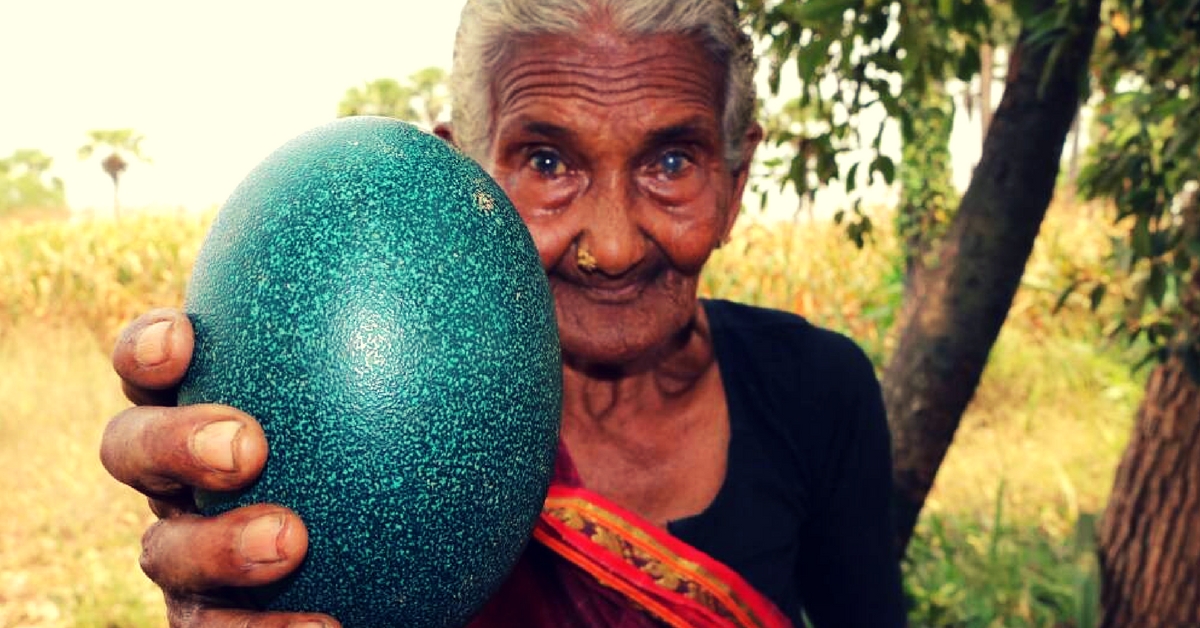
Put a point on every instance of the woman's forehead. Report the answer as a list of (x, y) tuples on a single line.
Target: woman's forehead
[(607, 72)]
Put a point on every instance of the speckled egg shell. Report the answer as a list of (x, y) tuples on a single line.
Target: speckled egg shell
[(370, 295)]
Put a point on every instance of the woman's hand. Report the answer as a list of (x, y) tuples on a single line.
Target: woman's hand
[(164, 452)]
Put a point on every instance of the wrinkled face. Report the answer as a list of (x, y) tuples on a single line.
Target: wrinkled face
[(611, 150)]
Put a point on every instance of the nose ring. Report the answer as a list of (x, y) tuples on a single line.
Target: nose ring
[(584, 259)]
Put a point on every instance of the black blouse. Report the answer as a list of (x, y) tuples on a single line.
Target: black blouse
[(804, 512)]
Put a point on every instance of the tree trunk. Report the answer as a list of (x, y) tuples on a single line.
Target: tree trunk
[(963, 298), (1149, 538)]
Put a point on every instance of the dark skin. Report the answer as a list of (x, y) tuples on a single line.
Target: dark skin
[(608, 144)]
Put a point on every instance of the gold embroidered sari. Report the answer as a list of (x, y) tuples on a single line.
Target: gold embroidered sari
[(593, 563)]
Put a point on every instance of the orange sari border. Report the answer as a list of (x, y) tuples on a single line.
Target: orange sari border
[(668, 578)]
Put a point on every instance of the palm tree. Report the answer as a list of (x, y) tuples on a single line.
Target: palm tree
[(120, 144)]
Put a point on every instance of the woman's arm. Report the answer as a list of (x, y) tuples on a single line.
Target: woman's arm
[(850, 575)]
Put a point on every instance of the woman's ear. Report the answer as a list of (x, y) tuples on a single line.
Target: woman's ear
[(442, 130), (753, 137)]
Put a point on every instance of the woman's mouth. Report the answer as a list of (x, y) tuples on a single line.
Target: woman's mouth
[(614, 292)]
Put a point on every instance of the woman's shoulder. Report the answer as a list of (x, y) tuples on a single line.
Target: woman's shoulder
[(779, 339)]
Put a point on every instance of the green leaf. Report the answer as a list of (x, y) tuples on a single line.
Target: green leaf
[(885, 167), (908, 129), (797, 175), (1025, 9), (1160, 242), (946, 8), (886, 62), (1140, 238), (876, 25), (968, 64), (1153, 354), (1064, 295), (877, 143), (1097, 295), (852, 177), (1182, 260), (1156, 284), (818, 10), (811, 59), (1143, 200)]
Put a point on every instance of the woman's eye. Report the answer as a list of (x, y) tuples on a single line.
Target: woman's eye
[(673, 163), (547, 163)]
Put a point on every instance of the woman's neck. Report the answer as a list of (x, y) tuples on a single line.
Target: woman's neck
[(652, 439), (646, 389)]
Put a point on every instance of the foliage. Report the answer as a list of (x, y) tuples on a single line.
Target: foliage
[(858, 56), (928, 198), (422, 99), (26, 183), (1031, 577), (1146, 161)]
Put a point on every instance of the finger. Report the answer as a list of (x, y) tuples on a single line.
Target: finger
[(192, 611), (245, 547), (192, 614), (152, 354), (163, 452)]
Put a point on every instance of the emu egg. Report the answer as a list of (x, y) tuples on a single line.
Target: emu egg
[(370, 295)]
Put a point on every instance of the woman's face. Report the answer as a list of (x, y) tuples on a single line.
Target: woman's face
[(614, 147)]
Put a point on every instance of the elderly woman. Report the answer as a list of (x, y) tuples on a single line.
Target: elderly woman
[(747, 444)]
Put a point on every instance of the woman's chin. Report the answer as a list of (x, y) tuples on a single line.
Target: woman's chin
[(605, 356), (622, 338), (599, 356)]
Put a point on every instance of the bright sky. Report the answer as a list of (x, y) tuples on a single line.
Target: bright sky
[(213, 86)]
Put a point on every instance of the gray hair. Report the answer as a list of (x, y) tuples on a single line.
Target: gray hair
[(488, 26)]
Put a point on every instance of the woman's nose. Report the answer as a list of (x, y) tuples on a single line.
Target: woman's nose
[(611, 233)]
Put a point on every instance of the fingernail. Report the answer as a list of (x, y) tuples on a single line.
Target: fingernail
[(214, 445), (151, 348), (260, 539), (307, 624)]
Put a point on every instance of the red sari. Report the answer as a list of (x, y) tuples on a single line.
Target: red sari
[(593, 564)]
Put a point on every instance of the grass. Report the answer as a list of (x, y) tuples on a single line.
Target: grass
[(68, 532), (1004, 541), (1006, 537)]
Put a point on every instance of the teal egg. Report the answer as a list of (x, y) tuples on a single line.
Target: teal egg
[(370, 295)]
